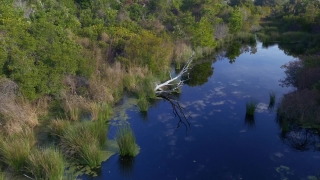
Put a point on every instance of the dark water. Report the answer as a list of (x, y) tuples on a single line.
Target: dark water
[(221, 143)]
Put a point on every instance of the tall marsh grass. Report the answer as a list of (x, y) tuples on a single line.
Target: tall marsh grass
[(84, 142), (143, 103), (251, 107), (126, 142), (15, 149), (46, 163), (15, 112), (182, 53)]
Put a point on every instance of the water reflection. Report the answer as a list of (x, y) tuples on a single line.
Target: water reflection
[(298, 138), (200, 73), (233, 52), (144, 115), (249, 121), (126, 165)]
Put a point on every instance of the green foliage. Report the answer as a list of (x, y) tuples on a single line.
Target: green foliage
[(203, 34), (146, 49), (126, 142), (46, 163), (235, 20), (136, 12)]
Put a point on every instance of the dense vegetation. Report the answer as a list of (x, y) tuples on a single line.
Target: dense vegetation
[(295, 26), (64, 64)]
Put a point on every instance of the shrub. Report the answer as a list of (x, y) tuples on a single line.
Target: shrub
[(301, 106), (46, 163), (126, 141)]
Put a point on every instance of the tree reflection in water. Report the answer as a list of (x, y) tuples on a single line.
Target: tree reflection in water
[(200, 73), (299, 138)]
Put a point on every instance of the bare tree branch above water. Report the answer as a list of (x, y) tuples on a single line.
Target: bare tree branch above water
[(174, 83)]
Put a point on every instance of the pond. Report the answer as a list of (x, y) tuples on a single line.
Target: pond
[(220, 142)]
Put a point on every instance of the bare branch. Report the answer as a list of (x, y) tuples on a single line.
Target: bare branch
[(160, 88)]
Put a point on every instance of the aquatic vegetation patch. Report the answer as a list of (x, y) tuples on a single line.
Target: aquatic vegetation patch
[(284, 171), (272, 99), (251, 107), (143, 104), (126, 142)]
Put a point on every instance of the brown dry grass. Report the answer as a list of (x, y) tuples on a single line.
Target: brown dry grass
[(41, 105), (133, 76), (182, 52), (15, 112), (106, 83), (74, 105)]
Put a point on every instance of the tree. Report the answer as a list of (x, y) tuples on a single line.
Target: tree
[(203, 34), (235, 20)]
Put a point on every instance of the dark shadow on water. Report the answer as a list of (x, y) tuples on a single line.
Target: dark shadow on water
[(144, 116), (271, 106), (249, 121), (297, 137), (126, 165)]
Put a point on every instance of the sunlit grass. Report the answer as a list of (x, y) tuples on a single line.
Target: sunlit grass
[(85, 141), (46, 163), (126, 142), (143, 104), (251, 107), (15, 150)]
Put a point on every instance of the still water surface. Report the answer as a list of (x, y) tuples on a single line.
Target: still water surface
[(220, 144)]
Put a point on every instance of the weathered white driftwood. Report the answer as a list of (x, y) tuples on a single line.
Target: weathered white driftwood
[(174, 83)]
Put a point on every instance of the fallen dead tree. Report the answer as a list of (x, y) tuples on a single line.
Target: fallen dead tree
[(165, 89), (174, 83)]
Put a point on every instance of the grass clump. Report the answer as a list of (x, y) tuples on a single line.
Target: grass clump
[(272, 98), (85, 141), (15, 149), (251, 107), (46, 163), (143, 104), (126, 142)]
